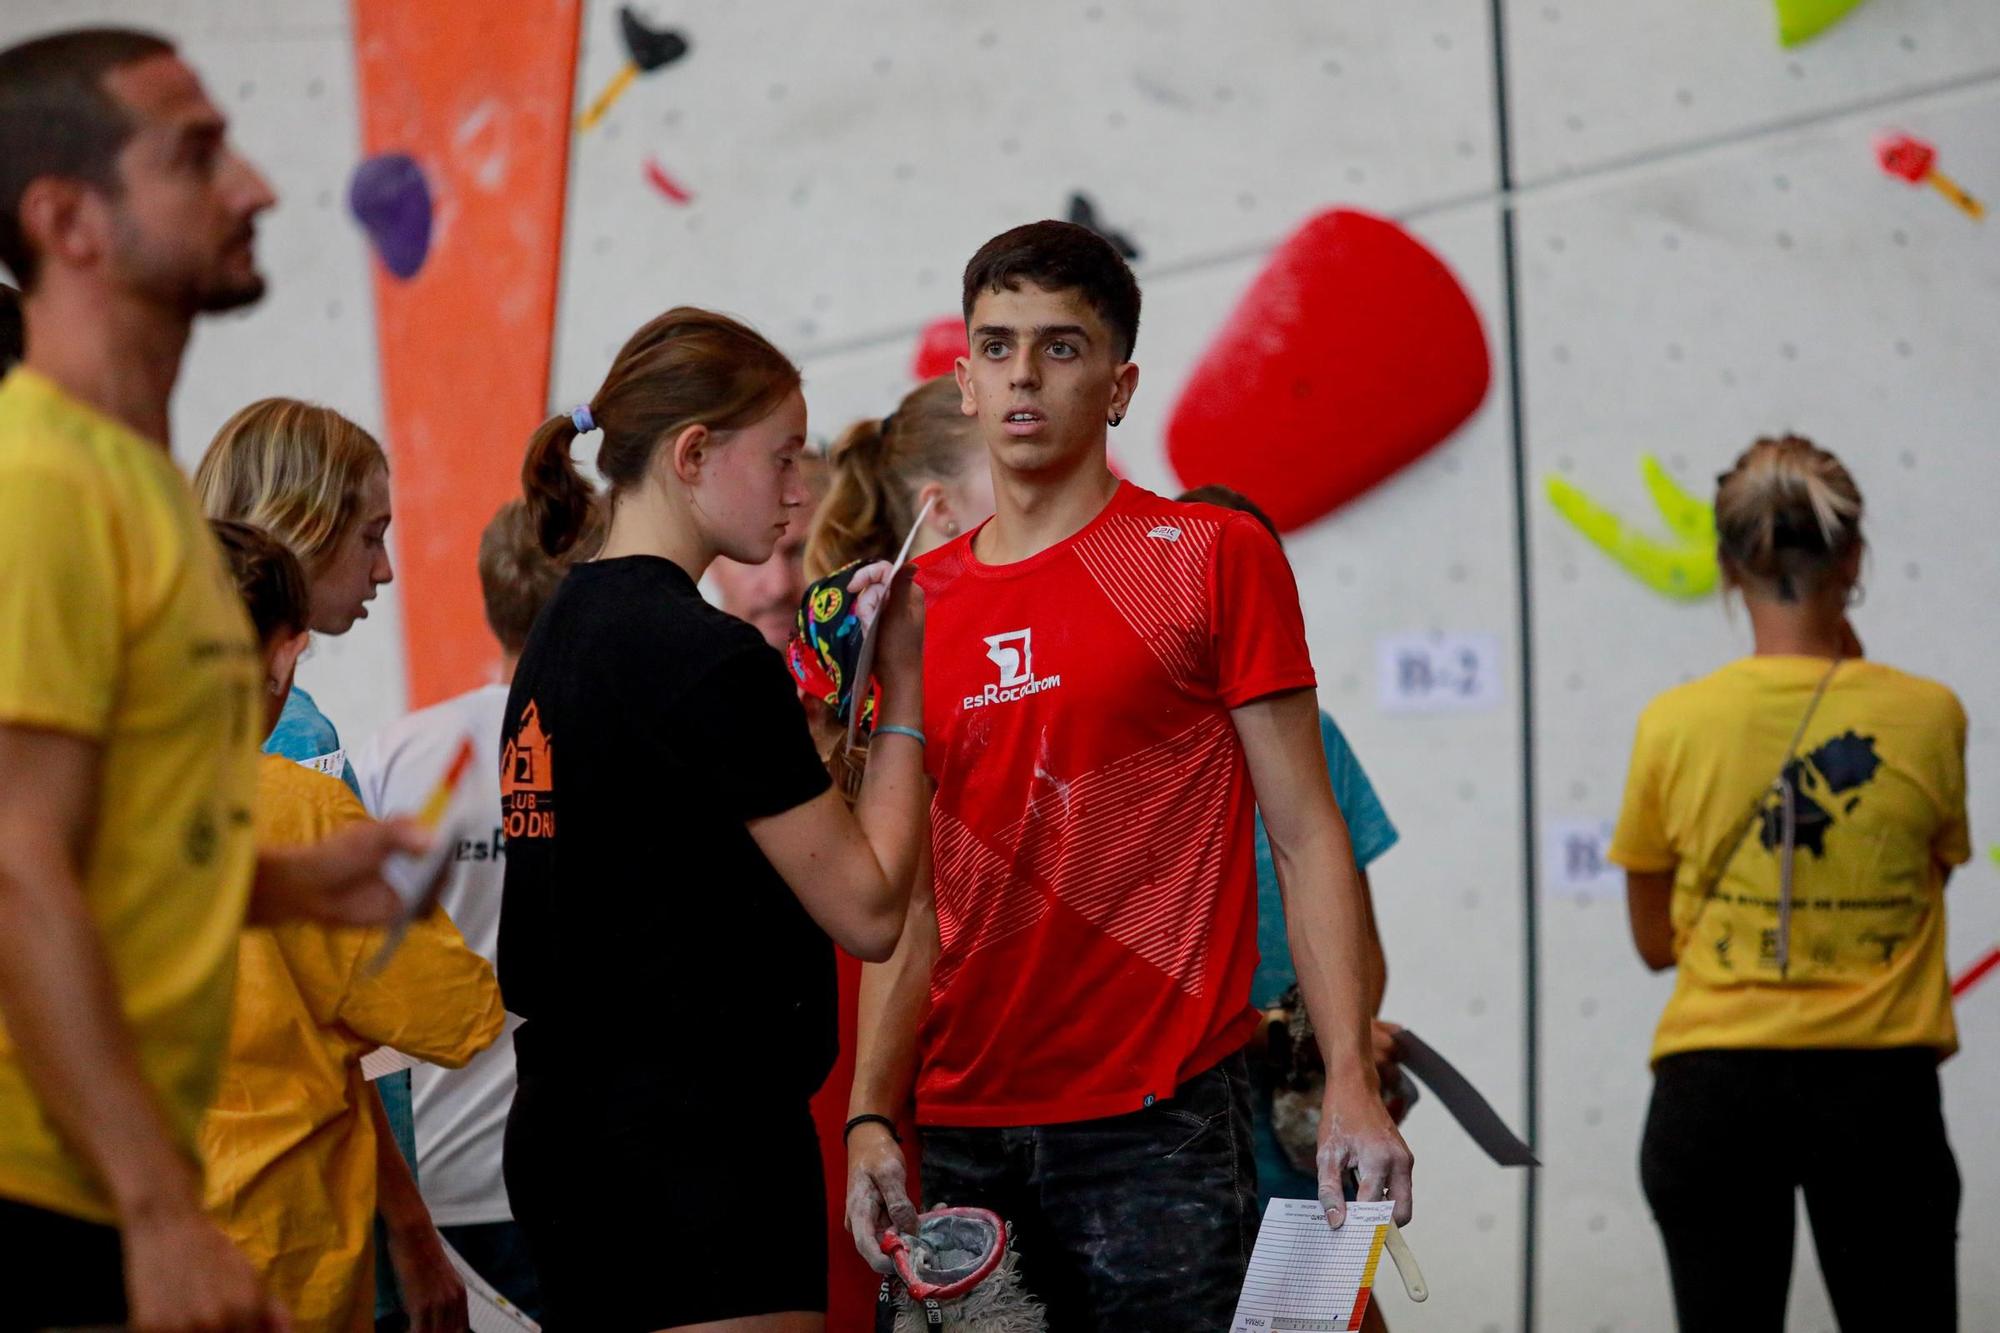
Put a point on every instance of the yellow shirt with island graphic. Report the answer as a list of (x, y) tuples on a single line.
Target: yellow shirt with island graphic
[(1878, 782), (119, 623)]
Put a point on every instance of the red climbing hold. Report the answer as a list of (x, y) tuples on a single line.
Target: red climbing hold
[(939, 347), (1354, 353), (657, 177)]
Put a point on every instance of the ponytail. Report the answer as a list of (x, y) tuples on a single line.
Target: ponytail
[(878, 468), (1787, 515), (684, 368), (858, 519), (559, 499)]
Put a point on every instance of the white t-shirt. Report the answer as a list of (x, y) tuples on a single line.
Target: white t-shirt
[(461, 1113)]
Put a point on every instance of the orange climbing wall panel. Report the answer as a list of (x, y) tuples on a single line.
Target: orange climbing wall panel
[(480, 96)]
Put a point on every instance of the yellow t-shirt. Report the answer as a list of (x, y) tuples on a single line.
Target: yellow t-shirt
[(1879, 786), (290, 1142), (118, 622)]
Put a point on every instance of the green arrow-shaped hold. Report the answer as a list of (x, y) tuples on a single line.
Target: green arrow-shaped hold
[(1803, 20), (1684, 568)]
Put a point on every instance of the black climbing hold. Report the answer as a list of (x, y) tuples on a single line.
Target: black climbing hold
[(1084, 214), (649, 48)]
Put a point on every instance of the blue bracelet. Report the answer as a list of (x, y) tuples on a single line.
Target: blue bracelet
[(911, 732)]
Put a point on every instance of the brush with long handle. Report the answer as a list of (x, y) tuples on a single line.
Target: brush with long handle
[(866, 661)]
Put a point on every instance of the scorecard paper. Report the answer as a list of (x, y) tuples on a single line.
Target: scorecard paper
[(1305, 1275)]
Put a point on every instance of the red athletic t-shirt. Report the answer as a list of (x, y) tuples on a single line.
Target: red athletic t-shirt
[(1092, 830)]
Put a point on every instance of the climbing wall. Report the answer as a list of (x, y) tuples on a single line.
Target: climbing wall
[(1772, 281), (1675, 238), (918, 141)]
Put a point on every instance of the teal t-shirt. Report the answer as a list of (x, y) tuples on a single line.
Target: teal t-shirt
[(1367, 824), (305, 736)]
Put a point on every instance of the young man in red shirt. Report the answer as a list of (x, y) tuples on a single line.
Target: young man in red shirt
[(1113, 682)]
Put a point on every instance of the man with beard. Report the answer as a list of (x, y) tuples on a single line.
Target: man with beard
[(129, 686)]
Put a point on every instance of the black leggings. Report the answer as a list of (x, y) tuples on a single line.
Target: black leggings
[(62, 1272), (1730, 1137)]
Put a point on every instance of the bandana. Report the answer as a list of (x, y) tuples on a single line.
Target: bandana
[(825, 647)]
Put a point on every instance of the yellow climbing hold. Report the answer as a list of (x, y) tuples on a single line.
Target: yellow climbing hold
[(1803, 20), (1684, 568)]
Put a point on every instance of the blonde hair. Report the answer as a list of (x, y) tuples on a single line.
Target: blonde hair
[(1786, 516), (294, 469), (878, 468)]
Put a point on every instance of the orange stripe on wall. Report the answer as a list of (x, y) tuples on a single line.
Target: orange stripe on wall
[(480, 96)]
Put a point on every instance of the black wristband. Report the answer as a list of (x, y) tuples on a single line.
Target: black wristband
[(870, 1118)]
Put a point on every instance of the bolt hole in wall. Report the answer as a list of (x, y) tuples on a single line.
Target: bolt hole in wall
[(1708, 247)]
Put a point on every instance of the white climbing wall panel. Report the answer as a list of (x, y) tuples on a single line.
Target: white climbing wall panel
[(842, 176), (1605, 82), (1771, 285)]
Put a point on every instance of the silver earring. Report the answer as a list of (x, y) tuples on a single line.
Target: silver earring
[(950, 528), (273, 688)]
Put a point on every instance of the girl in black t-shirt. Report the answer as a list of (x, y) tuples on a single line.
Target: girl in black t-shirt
[(677, 859)]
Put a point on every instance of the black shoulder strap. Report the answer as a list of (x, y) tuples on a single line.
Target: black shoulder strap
[(1726, 850)]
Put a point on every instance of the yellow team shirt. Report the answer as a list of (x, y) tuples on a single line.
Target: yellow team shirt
[(290, 1143), (119, 623), (1879, 782)]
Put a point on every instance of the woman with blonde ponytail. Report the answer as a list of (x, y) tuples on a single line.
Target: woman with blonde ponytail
[(666, 814), (885, 472), (1788, 827)]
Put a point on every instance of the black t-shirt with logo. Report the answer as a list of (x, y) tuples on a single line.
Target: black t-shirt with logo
[(643, 935)]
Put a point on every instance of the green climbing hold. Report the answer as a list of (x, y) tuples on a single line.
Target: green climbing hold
[(1684, 568), (1803, 20)]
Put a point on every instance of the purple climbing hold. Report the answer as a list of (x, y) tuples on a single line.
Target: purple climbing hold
[(392, 202)]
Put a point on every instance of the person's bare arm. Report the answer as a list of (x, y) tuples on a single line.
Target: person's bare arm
[(852, 870), (1377, 963), (1649, 898), (69, 1032), (1326, 915), (433, 1293), (888, 1013)]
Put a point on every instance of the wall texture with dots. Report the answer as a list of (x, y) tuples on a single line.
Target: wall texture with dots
[(1686, 220), (1759, 285)]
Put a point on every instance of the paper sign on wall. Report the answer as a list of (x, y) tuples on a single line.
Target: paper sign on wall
[(1574, 861), (1438, 673)]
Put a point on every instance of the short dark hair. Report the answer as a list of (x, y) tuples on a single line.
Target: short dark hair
[(13, 335), (1228, 499), (515, 576), (268, 576), (58, 119), (1060, 256)]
